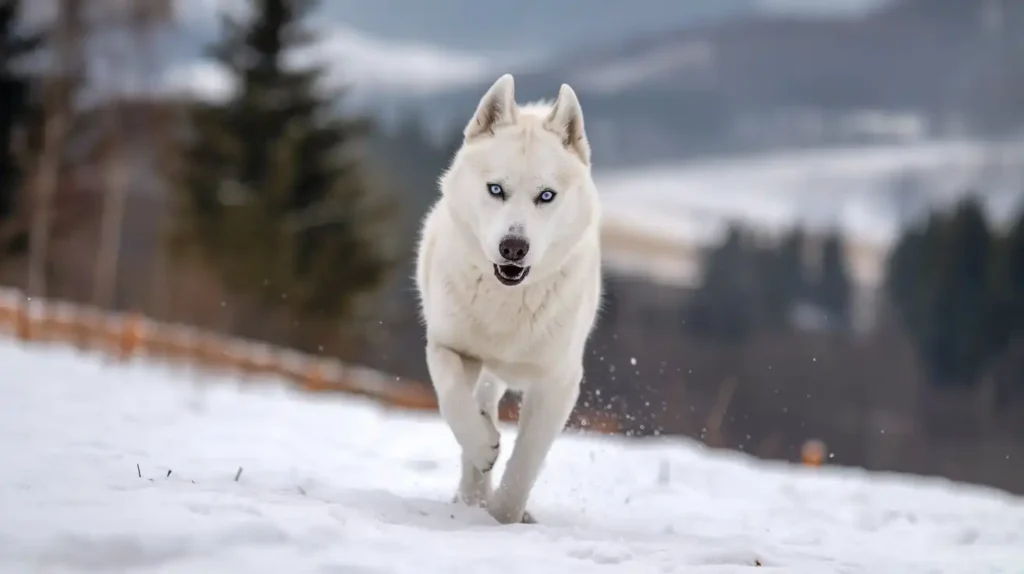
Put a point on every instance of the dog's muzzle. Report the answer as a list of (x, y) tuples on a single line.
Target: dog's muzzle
[(510, 274)]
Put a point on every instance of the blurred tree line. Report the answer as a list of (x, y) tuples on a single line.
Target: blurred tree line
[(957, 284), (752, 285)]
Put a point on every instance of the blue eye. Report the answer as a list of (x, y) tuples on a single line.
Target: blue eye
[(546, 196), (495, 189)]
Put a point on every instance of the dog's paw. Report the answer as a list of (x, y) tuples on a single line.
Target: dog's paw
[(476, 497), (483, 446), (474, 487), (505, 515), (507, 508)]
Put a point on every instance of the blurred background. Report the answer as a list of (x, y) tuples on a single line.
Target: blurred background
[(815, 209)]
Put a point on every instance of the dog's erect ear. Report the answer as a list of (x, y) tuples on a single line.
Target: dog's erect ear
[(496, 108), (566, 121)]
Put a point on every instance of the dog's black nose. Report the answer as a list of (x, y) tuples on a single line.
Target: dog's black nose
[(513, 248)]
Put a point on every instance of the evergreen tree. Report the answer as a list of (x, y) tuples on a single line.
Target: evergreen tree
[(905, 272), (16, 108), (832, 289), (783, 280), (275, 194), (1012, 290), (724, 306), (1008, 313), (1013, 263), (964, 311), (941, 280)]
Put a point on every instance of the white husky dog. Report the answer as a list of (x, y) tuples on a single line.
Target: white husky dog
[(509, 278)]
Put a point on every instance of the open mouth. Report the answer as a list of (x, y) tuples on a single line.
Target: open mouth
[(511, 274)]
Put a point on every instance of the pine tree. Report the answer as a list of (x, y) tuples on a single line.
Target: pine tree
[(832, 289), (724, 306), (942, 281), (275, 193), (1008, 309), (906, 270), (964, 304), (1013, 263), (783, 280), (16, 109)]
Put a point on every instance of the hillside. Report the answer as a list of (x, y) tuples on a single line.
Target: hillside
[(660, 81), (915, 69), (150, 469)]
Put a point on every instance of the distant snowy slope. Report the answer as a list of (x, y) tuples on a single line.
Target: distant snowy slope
[(857, 189), (366, 63), (353, 56), (340, 485), (836, 8), (869, 193)]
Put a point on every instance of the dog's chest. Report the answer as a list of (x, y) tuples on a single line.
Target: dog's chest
[(506, 324)]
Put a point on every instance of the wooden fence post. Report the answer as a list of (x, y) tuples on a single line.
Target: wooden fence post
[(131, 336), (23, 320)]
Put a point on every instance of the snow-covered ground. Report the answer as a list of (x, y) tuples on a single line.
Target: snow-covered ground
[(336, 485)]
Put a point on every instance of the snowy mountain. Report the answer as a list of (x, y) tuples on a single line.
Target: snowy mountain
[(912, 69), (370, 65), (529, 25), (145, 469), (406, 48)]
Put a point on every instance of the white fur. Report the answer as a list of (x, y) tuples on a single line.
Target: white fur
[(483, 336)]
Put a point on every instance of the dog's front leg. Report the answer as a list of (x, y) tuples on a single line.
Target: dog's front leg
[(542, 416), (455, 377)]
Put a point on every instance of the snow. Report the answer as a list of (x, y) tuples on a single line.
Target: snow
[(351, 58), (834, 8), (869, 193), (856, 189), (689, 57), (334, 484)]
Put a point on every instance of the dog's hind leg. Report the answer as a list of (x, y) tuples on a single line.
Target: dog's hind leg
[(542, 416), (455, 377)]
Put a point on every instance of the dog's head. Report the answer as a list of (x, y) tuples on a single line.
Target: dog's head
[(520, 185)]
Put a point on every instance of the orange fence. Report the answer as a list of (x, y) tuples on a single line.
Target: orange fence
[(124, 336)]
